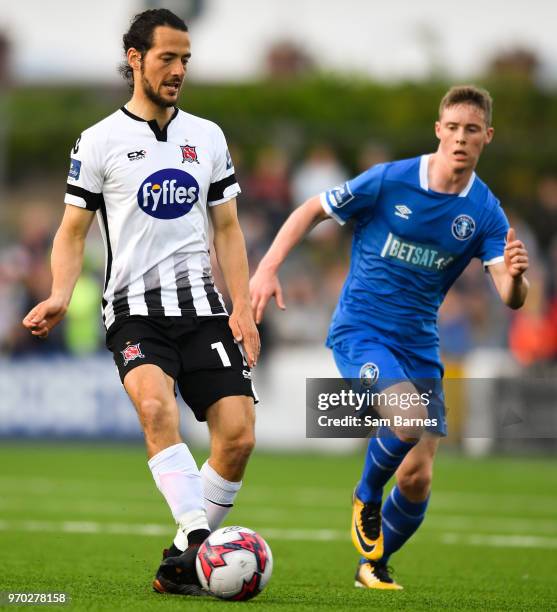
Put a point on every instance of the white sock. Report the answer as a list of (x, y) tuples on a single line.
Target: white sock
[(179, 480), (219, 495), (219, 498)]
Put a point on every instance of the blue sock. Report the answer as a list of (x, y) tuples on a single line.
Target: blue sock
[(401, 518), (384, 455)]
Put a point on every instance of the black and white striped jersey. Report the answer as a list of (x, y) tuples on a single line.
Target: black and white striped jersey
[(151, 189)]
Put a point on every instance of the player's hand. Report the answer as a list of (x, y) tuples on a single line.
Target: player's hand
[(244, 330), (41, 319), (516, 255), (262, 287)]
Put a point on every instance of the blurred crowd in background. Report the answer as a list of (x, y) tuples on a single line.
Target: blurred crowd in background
[(273, 186)]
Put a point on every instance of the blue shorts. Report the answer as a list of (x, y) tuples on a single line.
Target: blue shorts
[(381, 366)]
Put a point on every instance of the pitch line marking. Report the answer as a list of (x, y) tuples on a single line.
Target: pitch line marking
[(313, 535)]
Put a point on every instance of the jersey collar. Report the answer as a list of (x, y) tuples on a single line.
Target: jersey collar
[(160, 135), (424, 181)]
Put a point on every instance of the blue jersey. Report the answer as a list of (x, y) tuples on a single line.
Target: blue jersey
[(410, 245)]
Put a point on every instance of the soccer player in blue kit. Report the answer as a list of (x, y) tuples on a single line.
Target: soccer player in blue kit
[(417, 224)]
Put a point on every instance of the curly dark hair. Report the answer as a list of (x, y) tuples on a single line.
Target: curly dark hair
[(140, 35)]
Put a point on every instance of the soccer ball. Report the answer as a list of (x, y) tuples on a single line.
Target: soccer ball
[(234, 563)]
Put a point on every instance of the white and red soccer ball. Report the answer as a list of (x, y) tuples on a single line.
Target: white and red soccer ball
[(234, 563)]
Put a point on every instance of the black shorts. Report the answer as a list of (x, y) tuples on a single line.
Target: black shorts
[(200, 354)]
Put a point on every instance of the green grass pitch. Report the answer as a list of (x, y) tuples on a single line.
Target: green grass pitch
[(87, 520)]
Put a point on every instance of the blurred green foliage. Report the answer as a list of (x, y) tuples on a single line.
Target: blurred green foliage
[(43, 123)]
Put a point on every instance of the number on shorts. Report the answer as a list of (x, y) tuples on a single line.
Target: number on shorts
[(219, 347)]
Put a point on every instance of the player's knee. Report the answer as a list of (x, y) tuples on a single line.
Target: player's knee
[(409, 433), (410, 423), (238, 449), (243, 446), (415, 485), (155, 416)]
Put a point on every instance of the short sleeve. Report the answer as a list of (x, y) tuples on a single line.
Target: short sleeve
[(491, 248), (85, 178), (224, 185), (356, 197)]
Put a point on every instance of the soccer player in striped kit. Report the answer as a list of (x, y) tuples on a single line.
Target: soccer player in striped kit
[(153, 175)]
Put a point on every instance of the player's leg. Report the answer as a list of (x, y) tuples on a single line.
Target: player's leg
[(405, 507), (216, 385), (172, 465), (402, 513), (386, 450), (174, 470), (148, 364), (152, 394), (231, 422)]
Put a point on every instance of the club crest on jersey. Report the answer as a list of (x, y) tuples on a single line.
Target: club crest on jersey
[(132, 352), (168, 194), (369, 374), (189, 154), (463, 227)]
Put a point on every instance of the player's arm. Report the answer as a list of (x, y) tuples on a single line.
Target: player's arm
[(66, 261), (265, 283), (508, 275), (230, 249)]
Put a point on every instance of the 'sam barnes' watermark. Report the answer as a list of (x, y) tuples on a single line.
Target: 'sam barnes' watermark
[(511, 408), (337, 409)]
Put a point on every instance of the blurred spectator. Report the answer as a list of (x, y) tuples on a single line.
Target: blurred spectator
[(238, 162), (373, 153), (256, 234), (253, 217), (28, 268), (525, 233), (306, 317), (82, 330), (267, 188), (545, 219), (334, 275), (552, 268), (455, 326), (489, 322), (319, 171), (533, 333)]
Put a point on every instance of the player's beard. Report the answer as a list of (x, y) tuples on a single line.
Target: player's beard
[(152, 94)]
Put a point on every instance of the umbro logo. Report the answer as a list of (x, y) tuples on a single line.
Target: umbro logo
[(402, 211), (135, 155)]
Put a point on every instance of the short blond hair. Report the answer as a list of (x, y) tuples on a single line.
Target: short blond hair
[(468, 94)]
